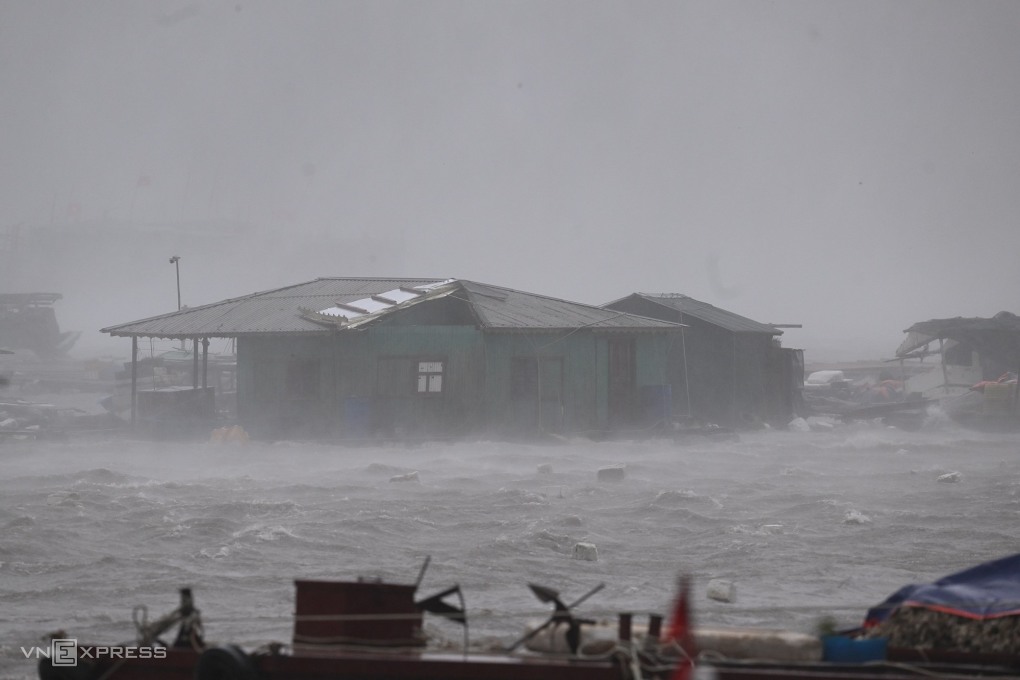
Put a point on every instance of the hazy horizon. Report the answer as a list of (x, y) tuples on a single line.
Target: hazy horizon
[(847, 166)]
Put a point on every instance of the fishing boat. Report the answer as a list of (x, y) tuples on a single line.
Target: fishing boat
[(371, 630)]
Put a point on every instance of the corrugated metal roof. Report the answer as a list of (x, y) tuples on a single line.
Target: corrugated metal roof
[(505, 308), (998, 336), (708, 313), (273, 311), (322, 304)]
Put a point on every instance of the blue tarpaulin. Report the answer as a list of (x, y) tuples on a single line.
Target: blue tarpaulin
[(987, 591)]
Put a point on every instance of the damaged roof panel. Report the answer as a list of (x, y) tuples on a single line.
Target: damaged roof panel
[(998, 336), (328, 304), (380, 302)]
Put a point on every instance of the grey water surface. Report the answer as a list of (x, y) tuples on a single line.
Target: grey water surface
[(804, 524)]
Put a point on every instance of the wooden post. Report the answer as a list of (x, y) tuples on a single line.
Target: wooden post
[(205, 362), (134, 378), (945, 374), (194, 364), (734, 416), (623, 633), (1016, 394)]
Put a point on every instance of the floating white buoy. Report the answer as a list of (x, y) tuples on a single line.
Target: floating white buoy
[(949, 478), (721, 590), (855, 517), (611, 474), (409, 477), (586, 551)]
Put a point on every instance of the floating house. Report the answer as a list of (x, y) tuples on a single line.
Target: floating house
[(966, 351), (727, 369), (430, 358), (972, 368)]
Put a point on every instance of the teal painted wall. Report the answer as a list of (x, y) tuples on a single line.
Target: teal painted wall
[(332, 385), (569, 404), (457, 410), (725, 374), (345, 395)]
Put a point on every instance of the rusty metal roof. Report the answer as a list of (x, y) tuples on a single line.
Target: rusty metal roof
[(336, 303), (705, 312)]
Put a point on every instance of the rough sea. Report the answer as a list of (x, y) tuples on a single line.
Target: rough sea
[(803, 524)]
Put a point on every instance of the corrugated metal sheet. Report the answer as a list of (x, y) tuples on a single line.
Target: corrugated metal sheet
[(709, 313), (324, 304), (504, 308), (379, 303)]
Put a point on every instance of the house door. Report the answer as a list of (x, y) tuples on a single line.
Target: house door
[(622, 383), (537, 394)]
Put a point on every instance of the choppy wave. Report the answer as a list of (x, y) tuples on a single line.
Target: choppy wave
[(804, 524)]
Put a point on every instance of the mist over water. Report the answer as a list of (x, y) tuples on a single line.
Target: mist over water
[(846, 166), (803, 523)]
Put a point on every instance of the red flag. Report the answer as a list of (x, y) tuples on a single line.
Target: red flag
[(681, 633)]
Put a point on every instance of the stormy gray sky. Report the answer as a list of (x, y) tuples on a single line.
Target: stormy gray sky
[(850, 166)]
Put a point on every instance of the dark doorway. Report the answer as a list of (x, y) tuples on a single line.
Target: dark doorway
[(622, 383), (536, 394)]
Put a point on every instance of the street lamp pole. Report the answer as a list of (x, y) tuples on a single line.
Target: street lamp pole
[(176, 262)]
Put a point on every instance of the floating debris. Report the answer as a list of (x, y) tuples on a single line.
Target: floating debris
[(229, 435), (799, 425), (21, 419), (721, 590), (611, 474), (855, 517), (588, 552)]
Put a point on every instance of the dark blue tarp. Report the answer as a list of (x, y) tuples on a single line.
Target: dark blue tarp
[(986, 591)]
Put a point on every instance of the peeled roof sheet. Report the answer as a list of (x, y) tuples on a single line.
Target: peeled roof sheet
[(380, 302)]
